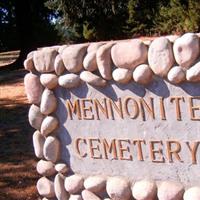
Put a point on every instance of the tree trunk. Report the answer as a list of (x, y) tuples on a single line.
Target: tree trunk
[(24, 25)]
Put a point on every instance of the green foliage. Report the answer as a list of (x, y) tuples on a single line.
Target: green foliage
[(23, 22)]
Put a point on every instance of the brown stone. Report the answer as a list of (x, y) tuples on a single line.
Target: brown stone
[(160, 56), (129, 54), (49, 81), (45, 187), (44, 59), (74, 184), (168, 190), (35, 117), (33, 88), (48, 102), (92, 79), (51, 149), (73, 56), (38, 144), (104, 62)]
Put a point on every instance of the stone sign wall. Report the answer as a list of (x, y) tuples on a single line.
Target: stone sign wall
[(117, 120)]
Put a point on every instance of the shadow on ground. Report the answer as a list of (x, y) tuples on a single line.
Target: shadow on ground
[(18, 175)]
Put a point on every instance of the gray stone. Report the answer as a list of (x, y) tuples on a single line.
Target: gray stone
[(51, 149), (48, 102), (95, 183), (192, 193), (45, 187), (35, 117), (193, 74), (62, 168), (59, 188), (73, 57), (104, 62), (33, 88), (74, 184), (143, 74), (144, 190), (44, 59), (168, 190), (92, 79), (160, 56), (89, 62), (69, 80), (176, 75), (87, 195), (49, 81), (38, 143), (118, 188), (29, 65), (121, 75), (49, 124), (75, 197), (59, 65), (129, 54), (45, 168), (186, 50)]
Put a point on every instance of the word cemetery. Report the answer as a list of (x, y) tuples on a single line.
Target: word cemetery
[(117, 120)]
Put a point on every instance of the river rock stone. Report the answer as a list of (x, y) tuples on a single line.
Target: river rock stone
[(33, 88), (160, 56), (62, 47), (69, 80), (104, 61), (49, 124), (89, 62), (176, 75), (118, 188), (49, 81), (129, 54), (48, 102), (147, 42), (51, 149), (45, 168), (74, 184), (193, 74), (92, 79), (168, 190), (172, 38), (59, 65), (45, 187), (29, 65), (30, 54), (73, 57), (143, 74), (186, 50), (121, 75), (87, 195), (59, 188), (35, 117), (94, 46), (75, 197), (95, 183), (62, 168), (44, 59), (144, 190), (38, 144), (192, 193)]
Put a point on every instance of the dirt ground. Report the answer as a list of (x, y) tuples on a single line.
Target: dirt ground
[(18, 175)]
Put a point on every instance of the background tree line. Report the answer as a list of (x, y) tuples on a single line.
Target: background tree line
[(27, 24)]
